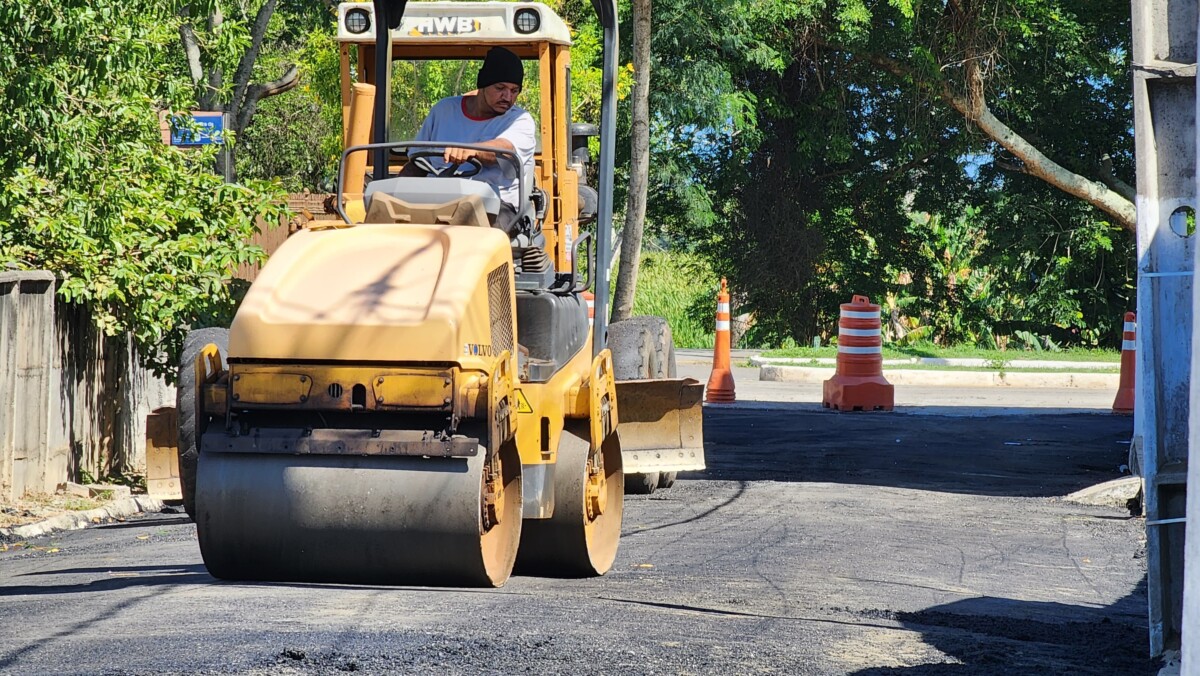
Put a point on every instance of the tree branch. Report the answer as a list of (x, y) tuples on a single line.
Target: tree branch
[(1034, 162), (241, 78), (208, 97), (191, 49), (1104, 171), (286, 82)]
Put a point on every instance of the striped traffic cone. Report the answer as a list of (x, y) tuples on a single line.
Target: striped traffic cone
[(1125, 392), (591, 303), (720, 383), (858, 383)]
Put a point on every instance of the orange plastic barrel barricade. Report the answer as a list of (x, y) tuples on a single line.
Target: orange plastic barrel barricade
[(1125, 392), (720, 388), (858, 384)]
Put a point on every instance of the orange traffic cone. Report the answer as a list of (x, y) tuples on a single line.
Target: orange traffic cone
[(720, 383), (1125, 394), (591, 303), (858, 384)]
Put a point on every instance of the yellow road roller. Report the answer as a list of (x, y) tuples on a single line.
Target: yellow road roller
[(412, 395)]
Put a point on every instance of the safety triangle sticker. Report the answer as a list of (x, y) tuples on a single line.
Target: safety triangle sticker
[(523, 403)]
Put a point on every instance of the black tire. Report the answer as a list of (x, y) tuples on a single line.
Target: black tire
[(191, 423), (642, 347), (641, 484)]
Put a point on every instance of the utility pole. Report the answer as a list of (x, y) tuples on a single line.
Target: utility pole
[(1164, 96)]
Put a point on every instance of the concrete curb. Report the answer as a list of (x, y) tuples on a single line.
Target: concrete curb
[(1116, 493), (953, 361), (941, 411), (77, 520), (816, 374)]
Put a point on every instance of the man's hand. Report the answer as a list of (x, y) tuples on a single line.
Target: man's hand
[(461, 155)]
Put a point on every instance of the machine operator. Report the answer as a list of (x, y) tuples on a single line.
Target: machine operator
[(489, 117)]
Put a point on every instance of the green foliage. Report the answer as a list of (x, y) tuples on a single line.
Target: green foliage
[(144, 235), (680, 288), (996, 358)]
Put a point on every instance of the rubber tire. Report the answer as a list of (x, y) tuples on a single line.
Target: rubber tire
[(191, 424), (642, 348)]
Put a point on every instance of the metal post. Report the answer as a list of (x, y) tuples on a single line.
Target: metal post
[(388, 14), (1164, 94), (607, 12)]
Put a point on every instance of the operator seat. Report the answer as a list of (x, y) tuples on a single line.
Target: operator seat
[(467, 210)]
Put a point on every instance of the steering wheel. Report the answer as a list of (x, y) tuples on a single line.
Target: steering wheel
[(467, 169)]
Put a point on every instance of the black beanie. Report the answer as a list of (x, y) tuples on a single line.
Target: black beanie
[(500, 65)]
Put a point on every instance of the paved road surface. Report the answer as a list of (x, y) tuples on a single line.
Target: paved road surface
[(816, 543)]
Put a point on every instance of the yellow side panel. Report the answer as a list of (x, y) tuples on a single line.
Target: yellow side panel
[(413, 390), (548, 400), (271, 387)]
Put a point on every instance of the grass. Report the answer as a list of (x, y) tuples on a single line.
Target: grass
[(1000, 357), (991, 366), (682, 289)]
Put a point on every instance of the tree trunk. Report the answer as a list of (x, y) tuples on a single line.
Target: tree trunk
[(635, 208)]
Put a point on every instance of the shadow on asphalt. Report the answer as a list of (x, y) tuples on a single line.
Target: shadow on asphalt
[(124, 578), (993, 636), (141, 523), (181, 568), (1018, 456)]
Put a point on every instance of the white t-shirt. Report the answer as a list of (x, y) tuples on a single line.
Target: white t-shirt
[(448, 121)]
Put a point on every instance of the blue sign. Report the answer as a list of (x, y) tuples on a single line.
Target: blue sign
[(197, 129)]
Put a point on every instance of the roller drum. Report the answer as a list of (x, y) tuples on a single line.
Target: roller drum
[(576, 541), (356, 519)]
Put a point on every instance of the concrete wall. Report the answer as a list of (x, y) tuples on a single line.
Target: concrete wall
[(32, 455), (71, 399)]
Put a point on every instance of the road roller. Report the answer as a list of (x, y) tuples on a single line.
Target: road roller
[(412, 395)]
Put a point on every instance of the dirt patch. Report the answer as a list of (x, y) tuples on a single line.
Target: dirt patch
[(37, 507)]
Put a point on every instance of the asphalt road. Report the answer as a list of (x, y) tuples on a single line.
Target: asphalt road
[(815, 543)]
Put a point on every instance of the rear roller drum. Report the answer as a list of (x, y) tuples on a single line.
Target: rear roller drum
[(360, 519), (580, 539)]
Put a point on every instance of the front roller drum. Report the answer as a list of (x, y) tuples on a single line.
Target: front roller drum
[(359, 519), (580, 539)]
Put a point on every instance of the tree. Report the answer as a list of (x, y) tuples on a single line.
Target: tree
[(837, 133), (635, 209), (142, 235), (211, 52)]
